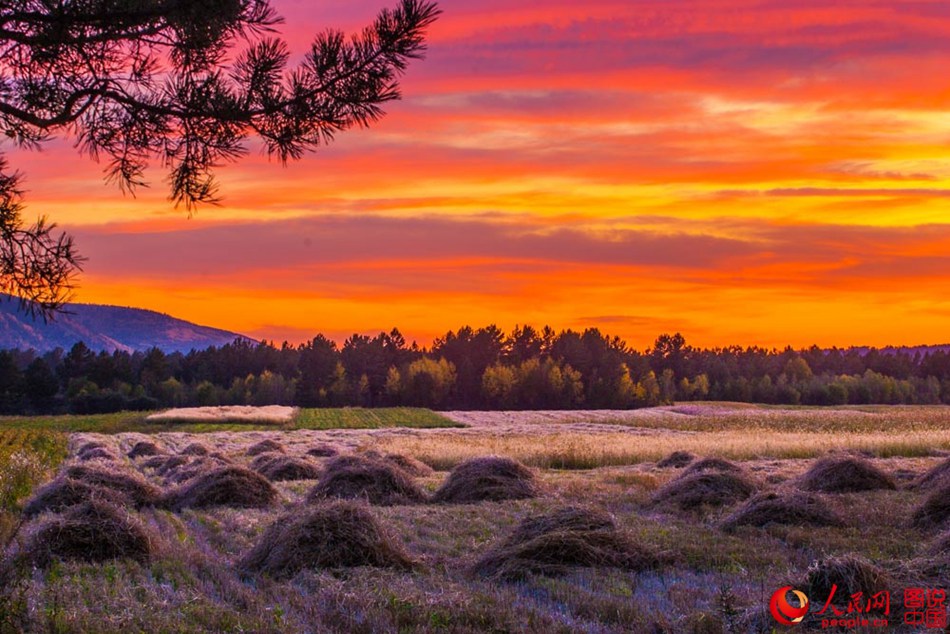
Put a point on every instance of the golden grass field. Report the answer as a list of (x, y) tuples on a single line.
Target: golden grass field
[(710, 579)]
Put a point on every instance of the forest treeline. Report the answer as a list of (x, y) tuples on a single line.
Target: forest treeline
[(482, 368)]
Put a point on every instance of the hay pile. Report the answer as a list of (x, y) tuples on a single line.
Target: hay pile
[(97, 452), (62, 493), (490, 478), (692, 491), (844, 475), (137, 489), (336, 534), (227, 486), (323, 451), (851, 573), (279, 467), (144, 448), (799, 509), (676, 460), (935, 509), (934, 477), (184, 472), (195, 449), (164, 464), (91, 531), (557, 542), (408, 464), (265, 446), (360, 477), (718, 465)]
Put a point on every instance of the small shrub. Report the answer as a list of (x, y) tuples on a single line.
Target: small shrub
[(336, 534)]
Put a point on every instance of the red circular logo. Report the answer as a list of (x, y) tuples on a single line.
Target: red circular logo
[(783, 611)]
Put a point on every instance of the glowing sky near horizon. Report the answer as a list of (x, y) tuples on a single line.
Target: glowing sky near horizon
[(745, 172)]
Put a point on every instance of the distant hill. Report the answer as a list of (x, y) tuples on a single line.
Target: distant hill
[(105, 328)]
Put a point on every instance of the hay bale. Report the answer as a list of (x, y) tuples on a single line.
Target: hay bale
[(799, 509), (139, 491), (190, 469), (278, 467), (409, 464), (92, 531), (63, 493), (490, 478), (677, 460), (265, 446), (226, 486), (711, 488), (359, 477), (844, 474), (163, 464), (934, 477), (89, 446), (97, 454), (851, 573), (195, 449), (144, 448), (718, 465), (338, 534), (935, 509), (557, 542), (323, 451)]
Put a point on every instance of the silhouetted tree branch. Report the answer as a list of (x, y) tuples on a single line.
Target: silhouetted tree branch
[(138, 80)]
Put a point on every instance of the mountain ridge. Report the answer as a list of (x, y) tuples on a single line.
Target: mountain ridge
[(106, 327)]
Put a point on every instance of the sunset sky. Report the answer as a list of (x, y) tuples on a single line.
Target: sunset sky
[(764, 172)]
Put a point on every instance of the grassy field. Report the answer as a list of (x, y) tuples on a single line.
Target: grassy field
[(335, 418), (27, 458), (709, 580)]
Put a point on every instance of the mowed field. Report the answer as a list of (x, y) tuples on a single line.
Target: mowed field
[(600, 533)]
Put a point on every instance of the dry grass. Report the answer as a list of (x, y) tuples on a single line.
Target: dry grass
[(265, 446), (338, 534), (270, 414), (407, 463), (718, 465), (135, 487), (935, 510), (850, 573), (934, 477), (234, 487), (845, 475), (555, 543), (489, 478), (62, 493), (97, 453), (323, 451), (676, 460), (790, 508), (195, 449), (144, 448), (280, 468), (358, 477), (695, 491), (91, 531)]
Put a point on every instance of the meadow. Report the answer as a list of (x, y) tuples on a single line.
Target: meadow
[(659, 543)]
